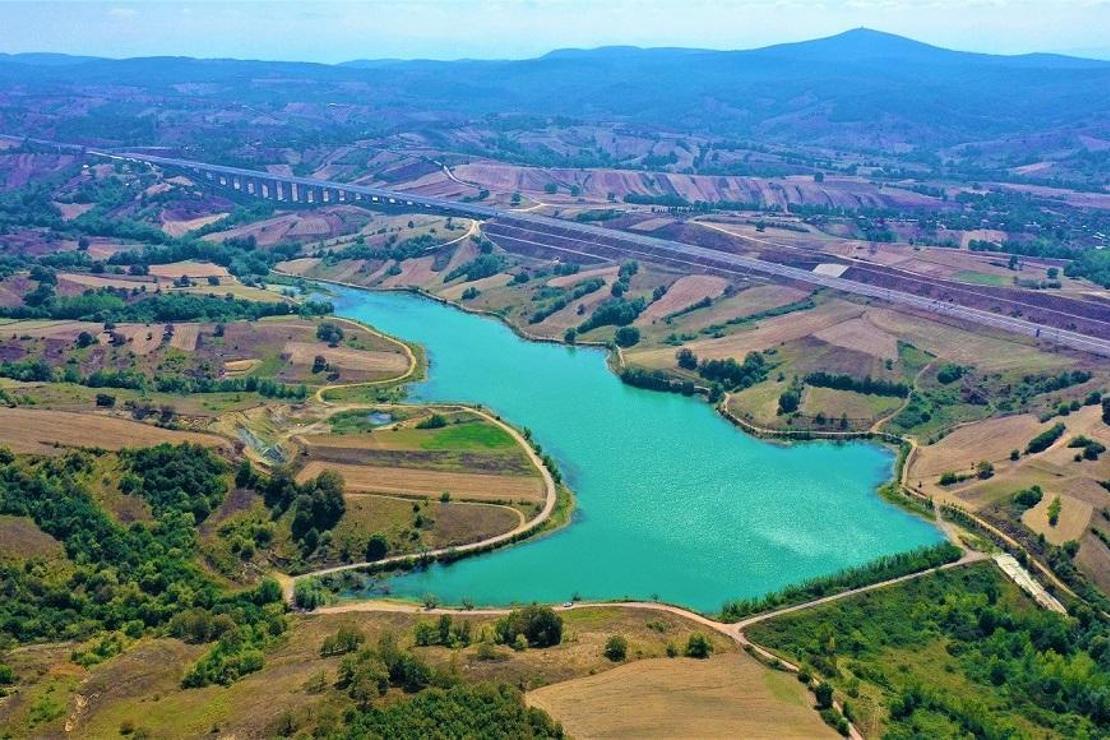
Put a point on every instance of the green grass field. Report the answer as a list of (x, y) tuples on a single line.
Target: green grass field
[(981, 278), (472, 435)]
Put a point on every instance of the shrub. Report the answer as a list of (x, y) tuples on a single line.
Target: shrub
[(308, 595), (698, 646), (1045, 439), (616, 648), (435, 421), (1029, 497), (346, 640), (540, 626), (1054, 511)]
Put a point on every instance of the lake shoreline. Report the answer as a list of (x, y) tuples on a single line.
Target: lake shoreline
[(846, 549)]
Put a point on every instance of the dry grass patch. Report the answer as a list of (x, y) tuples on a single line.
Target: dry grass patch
[(607, 273), (372, 362), (81, 282), (725, 696), (413, 272), (986, 352), (683, 293), (1055, 470), (235, 368), (44, 432), (446, 524), (189, 268), (185, 336), (863, 336), (992, 439), (71, 211), (833, 403), (745, 303), (181, 227), (20, 538), (454, 292), (1071, 524), (417, 482), (765, 334), (301, 266)]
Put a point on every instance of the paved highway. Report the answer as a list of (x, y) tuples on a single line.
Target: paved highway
[(586, 238)]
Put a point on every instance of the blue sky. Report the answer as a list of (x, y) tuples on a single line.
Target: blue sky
[(451, 29)]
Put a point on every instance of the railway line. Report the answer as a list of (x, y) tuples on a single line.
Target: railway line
[(587, 239)]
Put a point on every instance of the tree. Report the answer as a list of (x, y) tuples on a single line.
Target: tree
[(330, 333), (984, 469), (616, 648), (377, 546), (570, 335), (698, 646), (627, 336), (85, 339), (244, 474), (687, 360), (1054, 511), (824, 694), (347, 639), (308, 595), (540, 626), (788, 401)]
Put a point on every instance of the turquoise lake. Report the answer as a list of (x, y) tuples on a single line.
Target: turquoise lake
[(673, 502)]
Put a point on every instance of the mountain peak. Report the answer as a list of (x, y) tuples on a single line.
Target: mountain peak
[(856, 44)]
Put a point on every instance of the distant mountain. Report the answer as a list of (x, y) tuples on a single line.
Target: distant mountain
[(861, 88), (45, 59)]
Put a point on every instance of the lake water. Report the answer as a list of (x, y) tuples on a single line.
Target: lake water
[(673, 501)]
